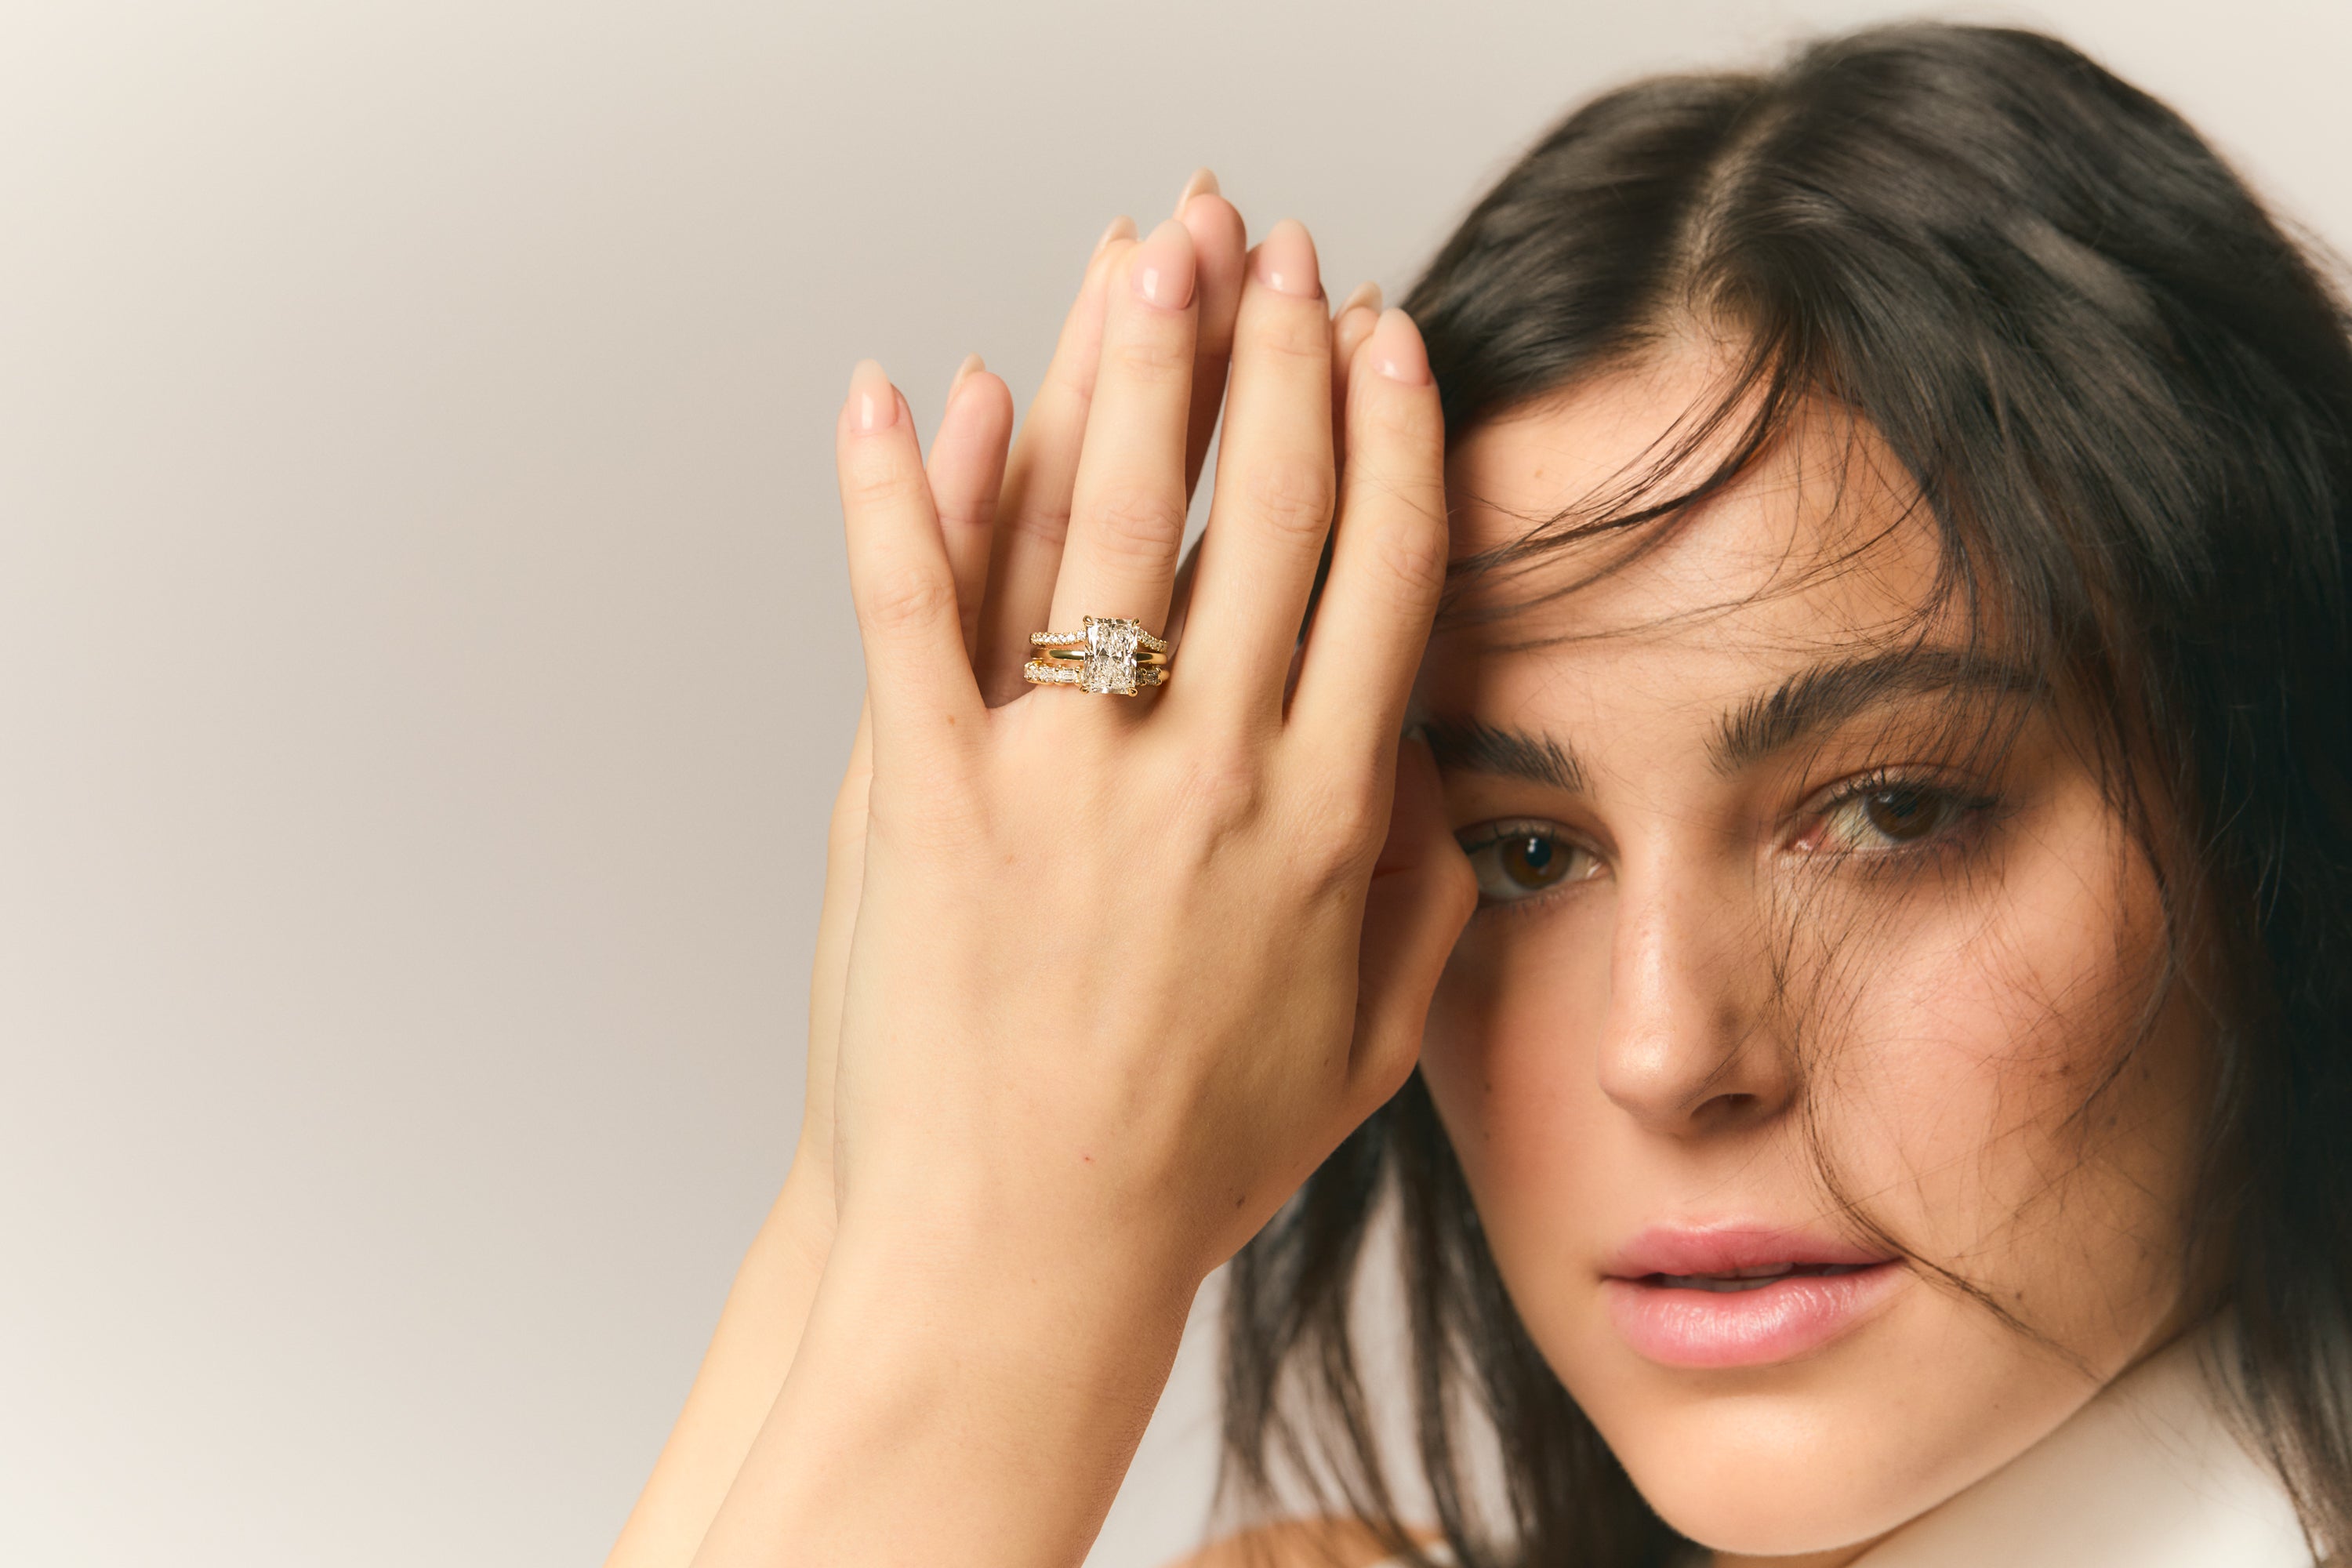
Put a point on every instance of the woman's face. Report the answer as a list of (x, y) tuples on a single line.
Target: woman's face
[(1753, 909)]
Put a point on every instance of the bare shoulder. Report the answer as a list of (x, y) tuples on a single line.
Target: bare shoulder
[(1299, 1543)]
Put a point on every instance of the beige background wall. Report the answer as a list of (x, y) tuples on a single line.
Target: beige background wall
[(424, 663)]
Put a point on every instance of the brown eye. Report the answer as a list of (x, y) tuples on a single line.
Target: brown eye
[(1904, 813), (1531, 861), (1522, 859)]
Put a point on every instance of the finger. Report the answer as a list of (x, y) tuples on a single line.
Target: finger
[(1126, 515), (1218, 248), (844, 874), (1274, 488), (1357, 314), (966, 468), (1033, 516), (1388, 553), (917, 675), (1421, 896)]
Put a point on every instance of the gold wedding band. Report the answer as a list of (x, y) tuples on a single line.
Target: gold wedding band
[(1112, 656)]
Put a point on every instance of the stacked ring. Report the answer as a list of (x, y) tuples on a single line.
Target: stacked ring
[(1112, 656)]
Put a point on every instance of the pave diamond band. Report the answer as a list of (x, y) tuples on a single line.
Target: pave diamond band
[(1077, 640), (1112, 656), (1054, 672)]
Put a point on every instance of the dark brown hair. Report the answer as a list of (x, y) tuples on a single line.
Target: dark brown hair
[(2126, 396)]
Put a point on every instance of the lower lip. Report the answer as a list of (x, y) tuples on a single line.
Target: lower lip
[(1790, 1317)]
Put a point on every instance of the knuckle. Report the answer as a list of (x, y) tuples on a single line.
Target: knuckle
[(1138, 523), (1223, 791), (1289, 330), (1407, 424), (908, 599), (879, 486), (1410, 556), (1290, 494), (1152, 357)]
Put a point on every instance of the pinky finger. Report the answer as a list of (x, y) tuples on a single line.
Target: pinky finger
[(967, 470)]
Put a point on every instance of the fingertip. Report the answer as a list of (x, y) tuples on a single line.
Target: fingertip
[(873, 404), (1162, 270), (971, 364), (1203, 183), (1355, 325), (1396, 349), (1121, 227)]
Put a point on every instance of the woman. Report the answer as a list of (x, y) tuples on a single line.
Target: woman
[(1844, 974)]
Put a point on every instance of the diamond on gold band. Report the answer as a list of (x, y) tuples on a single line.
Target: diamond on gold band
[(1101, 660)]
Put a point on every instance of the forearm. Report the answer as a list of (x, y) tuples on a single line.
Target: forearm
[(972, 1410), (750, 1353)]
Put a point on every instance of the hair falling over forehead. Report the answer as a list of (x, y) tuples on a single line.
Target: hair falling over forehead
[(2123, 398)]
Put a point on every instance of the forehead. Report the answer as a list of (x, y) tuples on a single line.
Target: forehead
[(1821, 543), (1817, 554)]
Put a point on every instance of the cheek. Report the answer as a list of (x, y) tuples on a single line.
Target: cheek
[(1983, 1078), (1510, 1057)]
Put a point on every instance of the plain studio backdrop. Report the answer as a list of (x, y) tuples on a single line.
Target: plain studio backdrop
[(424, 661)]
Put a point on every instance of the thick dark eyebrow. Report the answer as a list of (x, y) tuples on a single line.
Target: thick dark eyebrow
[(1465, 745), (1805, 703), (1824, 695)]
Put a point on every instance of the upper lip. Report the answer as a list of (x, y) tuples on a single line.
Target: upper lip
[(1729, 1248)]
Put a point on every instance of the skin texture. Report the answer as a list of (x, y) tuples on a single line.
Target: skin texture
[(1615, 1052)]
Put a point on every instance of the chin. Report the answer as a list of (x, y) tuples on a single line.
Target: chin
[(1771, 1478), (1828, 1450)]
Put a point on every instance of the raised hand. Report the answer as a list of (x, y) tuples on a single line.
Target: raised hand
[(1123, 970), (999, 520)]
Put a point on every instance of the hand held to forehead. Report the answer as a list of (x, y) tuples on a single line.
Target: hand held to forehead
[(1101, 1010)]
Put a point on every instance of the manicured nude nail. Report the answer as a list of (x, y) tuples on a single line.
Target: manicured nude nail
[(1396, 349), (1367, 294), (963, 372), (1285, 261), (1162, 268), (1204, 183), (873, 401), (1121, 227)]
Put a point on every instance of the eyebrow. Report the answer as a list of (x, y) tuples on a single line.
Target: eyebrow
[(1806, 702), (1466, 745)]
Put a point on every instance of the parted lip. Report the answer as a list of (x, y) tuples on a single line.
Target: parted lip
[(1729, 1246)]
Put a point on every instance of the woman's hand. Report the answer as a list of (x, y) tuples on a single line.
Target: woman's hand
[(994, 513), (1122, 971)]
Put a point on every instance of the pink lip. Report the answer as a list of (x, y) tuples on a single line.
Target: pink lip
[(1684, 1326)]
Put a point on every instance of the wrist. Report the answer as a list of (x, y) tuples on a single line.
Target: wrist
[(945, 1407)]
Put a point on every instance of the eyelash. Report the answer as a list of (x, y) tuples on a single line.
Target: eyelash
[(1969, 810)]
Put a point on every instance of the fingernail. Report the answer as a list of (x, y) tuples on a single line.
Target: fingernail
[(1121, 227), (963, 372), (1204, 183), (873, 401), (1396, 349), (1162, 272), (1285, 261), (1367, 294)]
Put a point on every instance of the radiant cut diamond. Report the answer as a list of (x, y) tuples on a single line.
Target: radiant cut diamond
[(1110, 657)]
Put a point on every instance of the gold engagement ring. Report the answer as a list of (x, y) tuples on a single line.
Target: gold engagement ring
[(1110, 657)]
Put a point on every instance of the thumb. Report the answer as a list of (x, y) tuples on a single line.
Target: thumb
[(1422, 892)]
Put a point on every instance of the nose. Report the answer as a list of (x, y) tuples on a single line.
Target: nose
[(1688, 1046)]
